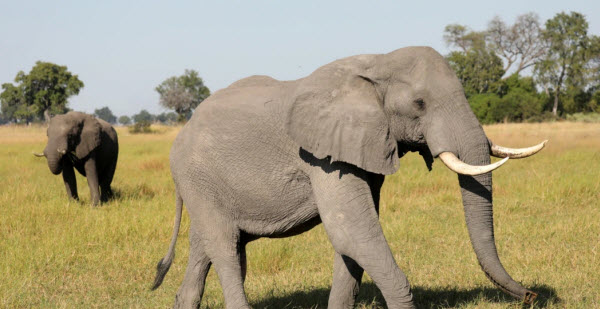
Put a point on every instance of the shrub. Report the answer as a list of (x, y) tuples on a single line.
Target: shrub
[(584, 117), (140, 127), (542, 117), (481, 105)]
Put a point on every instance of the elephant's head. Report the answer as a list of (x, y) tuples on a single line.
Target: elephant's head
[(71, 136), (369, 110)]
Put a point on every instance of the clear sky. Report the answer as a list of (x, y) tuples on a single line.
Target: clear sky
[(122, 50)]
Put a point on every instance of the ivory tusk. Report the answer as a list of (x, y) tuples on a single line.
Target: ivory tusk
[(460, 167), (64, 151), (515, 153), (38, 154)]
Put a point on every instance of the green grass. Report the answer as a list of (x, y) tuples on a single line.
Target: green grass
[(60, 254)]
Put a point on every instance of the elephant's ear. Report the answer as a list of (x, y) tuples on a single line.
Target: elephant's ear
[(89, 137), (336, 112)]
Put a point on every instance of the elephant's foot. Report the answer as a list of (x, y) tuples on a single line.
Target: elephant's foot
[(187, 299)]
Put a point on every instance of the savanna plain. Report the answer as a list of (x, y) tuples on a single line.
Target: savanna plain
[(60, 254)]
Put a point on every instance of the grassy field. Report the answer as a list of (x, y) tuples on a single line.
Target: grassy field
[(60, 254)]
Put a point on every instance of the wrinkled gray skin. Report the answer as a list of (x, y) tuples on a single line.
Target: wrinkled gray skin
[(266, 158), (88, 144)]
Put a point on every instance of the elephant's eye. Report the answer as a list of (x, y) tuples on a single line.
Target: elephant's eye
[(420, 104)]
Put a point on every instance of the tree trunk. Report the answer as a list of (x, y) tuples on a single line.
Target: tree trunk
[(47, 115), (555, 106)]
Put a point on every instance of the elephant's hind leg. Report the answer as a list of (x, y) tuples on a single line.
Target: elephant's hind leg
[(222, 244), (106, 192), (192, 288)]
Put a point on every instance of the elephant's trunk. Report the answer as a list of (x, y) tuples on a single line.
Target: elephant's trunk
[(455, 129), (477, 200), (54, 158)]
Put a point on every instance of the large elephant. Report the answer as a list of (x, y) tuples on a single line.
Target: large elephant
[(90, 145), (268, 158)]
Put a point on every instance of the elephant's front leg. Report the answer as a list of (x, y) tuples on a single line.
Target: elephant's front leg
[(350, 219), (347, 275), (92, 179), (70, 181)]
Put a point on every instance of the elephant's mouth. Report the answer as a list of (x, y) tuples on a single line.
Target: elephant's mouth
[(72, 157), (421, 148)]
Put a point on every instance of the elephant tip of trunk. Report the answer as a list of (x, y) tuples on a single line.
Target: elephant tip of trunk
[(529, 297)]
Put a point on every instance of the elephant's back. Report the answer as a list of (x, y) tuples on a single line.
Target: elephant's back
[(236, 124), (236, 145)]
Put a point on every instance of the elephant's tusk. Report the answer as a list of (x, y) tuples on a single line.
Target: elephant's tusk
[(38, 154), (515, 153), (62, 152), (460, 167)]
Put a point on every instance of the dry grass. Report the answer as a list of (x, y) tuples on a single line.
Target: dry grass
[(60, 254)]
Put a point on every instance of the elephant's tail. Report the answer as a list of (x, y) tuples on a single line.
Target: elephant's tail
[(165, 263)]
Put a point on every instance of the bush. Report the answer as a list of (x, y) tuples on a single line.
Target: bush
[(481, 103), (516, 100), (584, 117), (543, 117), (140, 127)]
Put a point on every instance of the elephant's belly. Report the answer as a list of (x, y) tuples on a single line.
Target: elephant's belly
[(279, 204)]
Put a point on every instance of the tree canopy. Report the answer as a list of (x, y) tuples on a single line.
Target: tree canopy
[(571, 52), (565, 58), (105, 114), (125, 120), (43, 91), (519, 44), (143, 116), (183, 93)]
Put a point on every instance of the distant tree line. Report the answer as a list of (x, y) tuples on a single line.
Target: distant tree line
[(527, 71), (562, 58), (45, 90), (143, 116)]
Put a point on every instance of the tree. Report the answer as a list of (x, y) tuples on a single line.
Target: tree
[(13, 103), (519, 44), (143, 116), (105, 114), (167, 118), (516, 100), (183, 93), (43, 91), (125, 120), (460, 36), (570, 52), (479, 70), (477, 67)]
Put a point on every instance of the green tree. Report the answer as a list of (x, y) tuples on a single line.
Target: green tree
[(43, 91), (570, 52), (477, 67), (13, 103), (105, 114), (143, 116), (167, 118), (124, 120), (479, 70), (459, 36), (183, 93)]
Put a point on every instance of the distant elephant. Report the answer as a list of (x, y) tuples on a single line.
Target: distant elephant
[(268, 158), (90, 145)]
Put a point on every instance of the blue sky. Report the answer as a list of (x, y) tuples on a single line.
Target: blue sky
[(122, 50)]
